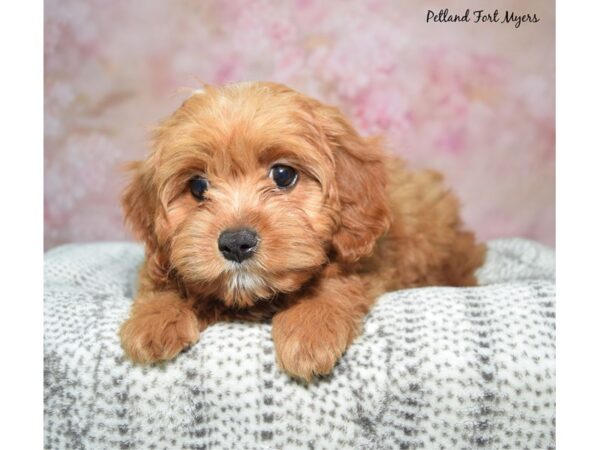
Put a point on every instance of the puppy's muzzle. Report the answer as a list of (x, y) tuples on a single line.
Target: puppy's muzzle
[(238, 245)]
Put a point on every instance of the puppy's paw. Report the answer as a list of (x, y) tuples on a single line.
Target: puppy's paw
[(158, 334), (307, 350)]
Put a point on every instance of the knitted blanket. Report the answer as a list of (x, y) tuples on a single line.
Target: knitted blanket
[(441, 367)]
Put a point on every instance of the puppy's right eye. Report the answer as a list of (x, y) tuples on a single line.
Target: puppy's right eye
[(198, 187)]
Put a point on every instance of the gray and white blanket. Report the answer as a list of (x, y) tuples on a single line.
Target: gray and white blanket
[(436, 368)]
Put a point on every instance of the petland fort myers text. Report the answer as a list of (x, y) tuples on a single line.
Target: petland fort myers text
[(482, 16)]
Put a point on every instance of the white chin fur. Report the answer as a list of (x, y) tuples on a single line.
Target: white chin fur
[(244, 281)]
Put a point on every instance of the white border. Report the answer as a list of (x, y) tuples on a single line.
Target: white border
[(21, 223), (578, 225)]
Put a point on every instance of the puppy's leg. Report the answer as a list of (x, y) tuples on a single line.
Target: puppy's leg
[(312, 334), (161, 324)]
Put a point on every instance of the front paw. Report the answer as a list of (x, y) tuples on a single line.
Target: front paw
[(158, 334), (304, 349)]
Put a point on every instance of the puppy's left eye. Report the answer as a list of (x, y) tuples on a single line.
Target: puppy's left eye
[(198, 187), (283, 176)]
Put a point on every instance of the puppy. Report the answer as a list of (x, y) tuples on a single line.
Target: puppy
[(259, 203)]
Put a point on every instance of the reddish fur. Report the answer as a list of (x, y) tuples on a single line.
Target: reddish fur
[(356, 225)]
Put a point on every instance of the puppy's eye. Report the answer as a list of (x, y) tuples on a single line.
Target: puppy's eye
[(198, 187), (283, 176)]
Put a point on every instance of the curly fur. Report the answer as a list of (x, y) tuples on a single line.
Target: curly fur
[(356, 225)]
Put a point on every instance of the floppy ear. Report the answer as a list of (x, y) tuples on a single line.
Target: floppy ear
[(361, 181), (140, 202)]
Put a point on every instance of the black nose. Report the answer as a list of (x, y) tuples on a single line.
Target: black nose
[(238, 245)]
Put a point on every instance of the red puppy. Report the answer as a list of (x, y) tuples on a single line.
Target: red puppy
[(260, 202)]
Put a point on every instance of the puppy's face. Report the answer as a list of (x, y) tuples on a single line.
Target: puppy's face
[(251, 189)]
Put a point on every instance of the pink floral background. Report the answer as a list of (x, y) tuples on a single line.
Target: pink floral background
[(475, 101)]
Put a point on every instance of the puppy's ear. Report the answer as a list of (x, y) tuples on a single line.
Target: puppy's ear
[(139, 201), (361, 181)]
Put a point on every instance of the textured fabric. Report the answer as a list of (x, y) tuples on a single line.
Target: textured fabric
[(435, 368)]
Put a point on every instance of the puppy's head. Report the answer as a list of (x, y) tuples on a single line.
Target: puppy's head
[(251, 188)]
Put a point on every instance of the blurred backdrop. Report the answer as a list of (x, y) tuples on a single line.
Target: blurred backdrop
[(475, 101)]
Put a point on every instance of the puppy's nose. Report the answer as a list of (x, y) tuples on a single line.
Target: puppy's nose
[(238, 245)]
